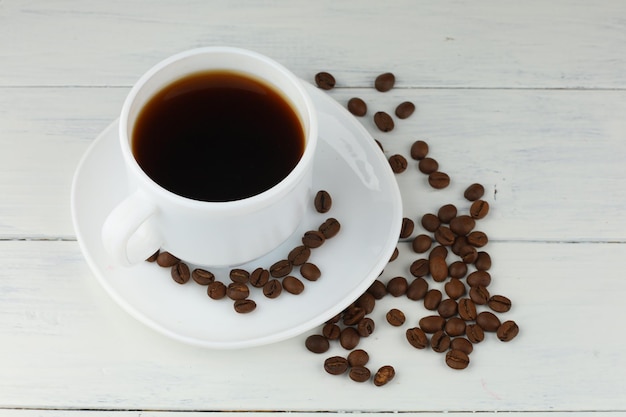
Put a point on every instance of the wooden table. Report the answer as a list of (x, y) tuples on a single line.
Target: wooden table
[(527, 98)]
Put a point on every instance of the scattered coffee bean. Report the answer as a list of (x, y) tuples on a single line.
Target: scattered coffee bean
[(317, 343), (244, 306), (330, 228), (153, 257), (358, 357), (455, 326), (281, 268), (467, 309), (507, 331), (479, 209), (417, 338), (457, 359), (359, 374), (324, 80), (259, 277), (479, 278), (336, 365), (447, 308), (438, 251), (397, 286), (202, 276), (430, 222), (293, 285), (479, 295), (417, 289), (459, 243), (474, 333), (440, 341), (365, 327), (468, 254), (299, 255), (398, 163), (488, 321), (499, 303), (457, 269), (483, 261), (395, 317), (394, 255), (422, 243), (419, 150), (455, 288), (166, 260), (462, 225), (428, 165), (313, 239), (438, 269), (357, 106), (462, 344), (447, 212), (349, 338), (272, 288), (444, 235), (353, 315), (310, 271), (385, 82), (477, 239), (384, 375), (407, 228), (216, 290), (180, 273), (366, 301), (432, 324), (239, 275), (237, 291), (432, 298), (322, 201), (438, 180), (331, 331), (474, 192), (405, 109), (419, 268), (377, 289), (383, 121)]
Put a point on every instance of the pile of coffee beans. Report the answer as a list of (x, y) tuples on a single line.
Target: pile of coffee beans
[(449, 278), (271, 280)]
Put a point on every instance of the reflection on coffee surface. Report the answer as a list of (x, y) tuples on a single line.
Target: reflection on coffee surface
[(218, 136)]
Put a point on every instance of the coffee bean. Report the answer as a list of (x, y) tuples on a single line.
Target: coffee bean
[(397, 286), (259, 277), (455, 326), (244, 306), (281, 268), (417, 338), (202, 276), (432, 298), (299, 255), (483, 261), (474, 192), (398, 163), (468, 254), (479, 209), (180, 273), (331, 331), (417, 289), (216, 290), (153, 257), (440, 341), (334, 319), (357, 106), (447, 212), (439, 180), (365, 327), (462, 225), (499, 303), (457, 269), (455, 288), (310, 271), (438, 269), (395, 317), (479, 278), (419, 150), (336, 365), (385, 82), (459, 243), (359, 374), (322, 201), (444, 236), (330, 227), (405, 109), (366, 301), (349, 338), (479, 295), (432, 324), (237, 291), (507, 331), (317, 343), (457, 359), (358, 357), (239, 275), (272, 288), (383, 121), (324, 80), (352, 315), (477, 239), (428, 165), (384, 375), (419, 268), (430, 222), (438, 251), (447, 308), (377, 289), (422, 243), (166, 260), (488, 321), (462, 344), (474, 333), (293, 285), (313, 239), (407, 228), (467, 309), (394, 255)]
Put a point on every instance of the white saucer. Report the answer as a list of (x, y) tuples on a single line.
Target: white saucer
[(366, 201)]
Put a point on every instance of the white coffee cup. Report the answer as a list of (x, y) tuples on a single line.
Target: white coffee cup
[(199, 232)]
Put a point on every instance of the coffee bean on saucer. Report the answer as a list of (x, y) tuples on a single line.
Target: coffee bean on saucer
[(167, 260), (237, 291), (299, 255), (438, 180), (239, 275), (293, 285), (259, 277), (407, 228), (479, 209), (417, 338), (281, 268), (216, 290), (202, 276), (324, 80), (336, 365), (272, 288), (317, 343), (330, 227), (180, 273), (457, 359), (428, 165), (398, 163), (385, 82), (359, 374), (507, 331), (313, 239), (474, 192), (419, 150), (383, 121), (395, 317), (384, 375), (322, 201), (310, 271), (244, 306), (357, 106), (405, 109)]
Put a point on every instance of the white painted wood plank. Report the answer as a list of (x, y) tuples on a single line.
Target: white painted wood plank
[(564, 44), (551, 161), (66, 345), (99, 413)]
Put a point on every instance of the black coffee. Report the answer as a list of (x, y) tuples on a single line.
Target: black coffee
[(217, 136)]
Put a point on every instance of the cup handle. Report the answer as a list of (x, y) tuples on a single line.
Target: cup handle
[(127, 234)]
